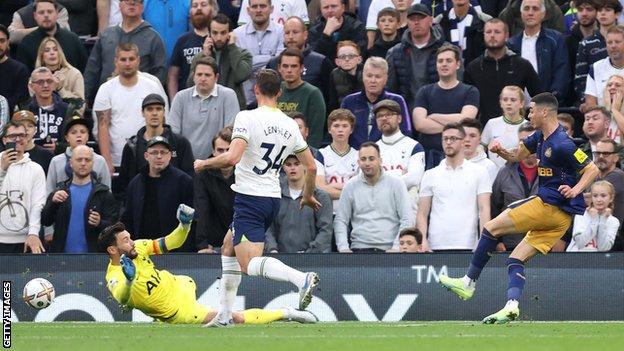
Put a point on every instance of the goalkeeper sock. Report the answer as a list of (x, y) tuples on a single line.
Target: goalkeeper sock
[(259, 316), (515, 268), (274, 269), (481, 256), (230, 279)]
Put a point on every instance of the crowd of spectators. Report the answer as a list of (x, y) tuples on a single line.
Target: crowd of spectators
[(106, 104)]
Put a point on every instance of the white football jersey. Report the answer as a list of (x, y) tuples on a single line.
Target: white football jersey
[(282, 9), (271, 136), (336, 168), (403, 157)]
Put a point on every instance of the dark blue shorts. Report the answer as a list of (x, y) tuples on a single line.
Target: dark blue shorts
[(253, 215)]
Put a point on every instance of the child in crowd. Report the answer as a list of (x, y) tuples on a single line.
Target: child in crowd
[(410, 240), (346, 78), (388, 34)]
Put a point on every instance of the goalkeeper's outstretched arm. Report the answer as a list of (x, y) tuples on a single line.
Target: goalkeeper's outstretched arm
[(178, 236)]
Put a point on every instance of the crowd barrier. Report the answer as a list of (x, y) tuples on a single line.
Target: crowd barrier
[(364, 287)]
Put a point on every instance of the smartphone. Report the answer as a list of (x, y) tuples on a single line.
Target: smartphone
[(11, 146)]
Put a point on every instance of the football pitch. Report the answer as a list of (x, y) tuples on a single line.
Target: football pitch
[(524, 336)]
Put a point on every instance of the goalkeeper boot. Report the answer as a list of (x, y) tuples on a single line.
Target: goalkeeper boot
[(459, 286), (305, 293), (290, 313), (508, 314)]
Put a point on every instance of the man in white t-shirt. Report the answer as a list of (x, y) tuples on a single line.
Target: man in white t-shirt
[(282, 10), (454, 199), (118, 102), (601, 71), (261, 139)]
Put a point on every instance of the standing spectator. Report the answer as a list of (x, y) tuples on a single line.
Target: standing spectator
[(80, 208), (199, 112), (514, 182), (455, 186), (132, 30), (375, 204), (23, 182), (298, 95), (118, 104), (463, 27), (316, 67), (347, 77), (544, 48), (412, 62), (497, 68), (388, 21), (373, 24), (614, 102), (337, 162), (235, 64), (410, 240), (284, 9), (300, 230), (154, 195), (47, 106), (36, 153), (606, 159), (473, 151), (263, 38), (444, 102), (23, 21), (82, 16), (46, 14), (334, 26), (14, 82), (214, 198), (511, 14), (584, 28), (601, 70), (132, 159), (189, 45), (374, 78), (76, 131), (169, 18)]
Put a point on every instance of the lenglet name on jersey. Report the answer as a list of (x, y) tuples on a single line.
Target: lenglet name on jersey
[(277, 130)]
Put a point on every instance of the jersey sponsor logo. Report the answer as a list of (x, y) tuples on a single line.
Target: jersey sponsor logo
[(580, 155), (153, 283), (240, 130), (544, 172)]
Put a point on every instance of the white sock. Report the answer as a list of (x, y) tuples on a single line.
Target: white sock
[(230, 279), (274, 269), (512, 303), (469, 282)]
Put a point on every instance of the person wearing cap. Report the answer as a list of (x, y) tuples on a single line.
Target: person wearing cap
[(132, 160), (401, 156), (80, 207), (153, 195), (412, 62), (37, 153)]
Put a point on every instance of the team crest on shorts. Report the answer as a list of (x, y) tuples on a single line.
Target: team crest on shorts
[(548, 152)]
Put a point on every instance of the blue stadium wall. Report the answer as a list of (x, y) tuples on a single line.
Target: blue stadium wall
[(367, 287)]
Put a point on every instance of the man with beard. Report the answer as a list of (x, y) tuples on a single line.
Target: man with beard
[(496, 69), (46, 14), (118, 104), (14, 82), (586, 24), (263, 38), (189, 45), (606, 158)]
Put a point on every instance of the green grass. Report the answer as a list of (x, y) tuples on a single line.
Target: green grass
[(524, 336)]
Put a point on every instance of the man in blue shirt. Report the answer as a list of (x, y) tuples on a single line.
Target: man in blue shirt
[(170, 18)]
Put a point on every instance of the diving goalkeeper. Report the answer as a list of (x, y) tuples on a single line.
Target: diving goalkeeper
[(135, 283)]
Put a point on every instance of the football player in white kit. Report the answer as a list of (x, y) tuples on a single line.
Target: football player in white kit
[(262, 138)]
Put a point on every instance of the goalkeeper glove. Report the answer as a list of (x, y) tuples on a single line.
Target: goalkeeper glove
[(185, 214), (128, 268)]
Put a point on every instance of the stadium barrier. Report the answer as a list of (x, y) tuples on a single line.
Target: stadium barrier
[(364, 287)]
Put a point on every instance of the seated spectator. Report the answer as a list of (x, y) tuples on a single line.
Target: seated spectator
[(361, 104), (336, 25), (300, 230), (36, 153), (153, 196), (337, 162), (463, 27), (82, 16), (444, 102), (602, 70), (46, 14), (504, 129), (514, 182), (132, 30), (23, 182), (596, 229), (76, 132), (80, 208), (23, 21), (14, 82), (553, 18), (401, 156), (455, 186), (614, 103), (346, 78), (388, 34), (298, 95), (132, 159), (69, 81), (607, 160), (170, 19), (214, 198), (375, 205), (199, 112), (48, 107), (567, 122), (410, 240), (473, 150)]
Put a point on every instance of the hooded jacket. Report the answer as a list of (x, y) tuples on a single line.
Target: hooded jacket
[(351, 29)]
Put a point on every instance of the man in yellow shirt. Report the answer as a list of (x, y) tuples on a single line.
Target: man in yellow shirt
[(134, 281)]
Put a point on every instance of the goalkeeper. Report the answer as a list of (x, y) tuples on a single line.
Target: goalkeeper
[(135, 283)]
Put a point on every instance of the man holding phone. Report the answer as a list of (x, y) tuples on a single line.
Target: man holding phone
[(22, 194)]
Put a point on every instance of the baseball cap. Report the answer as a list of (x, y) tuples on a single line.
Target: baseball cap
[(389, 105), (159, 140), (419, 9), (24, 115), (72, 121), (153, 99)]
